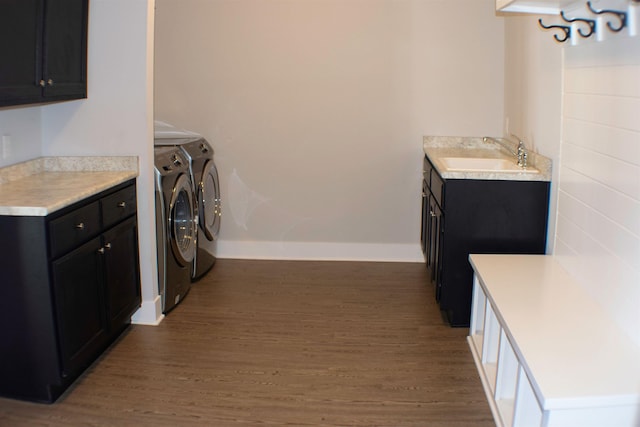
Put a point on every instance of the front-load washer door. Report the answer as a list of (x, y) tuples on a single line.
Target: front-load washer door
[(210, 208), (182, 221)]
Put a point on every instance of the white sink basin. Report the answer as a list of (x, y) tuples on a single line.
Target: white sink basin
[(482, 164)]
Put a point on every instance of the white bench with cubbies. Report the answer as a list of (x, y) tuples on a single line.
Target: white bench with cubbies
[(548, 355)]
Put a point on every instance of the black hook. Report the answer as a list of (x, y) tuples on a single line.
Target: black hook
[(590, 22), (622, 16), (567, 31)]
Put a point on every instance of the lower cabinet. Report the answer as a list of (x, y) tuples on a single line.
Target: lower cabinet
[(71, 283), (464, 216)]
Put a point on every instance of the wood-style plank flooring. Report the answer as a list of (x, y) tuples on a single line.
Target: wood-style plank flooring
[(282, 343)]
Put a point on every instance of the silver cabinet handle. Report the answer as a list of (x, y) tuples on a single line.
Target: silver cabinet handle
[(102, 249), (122, 204), (80, 226)]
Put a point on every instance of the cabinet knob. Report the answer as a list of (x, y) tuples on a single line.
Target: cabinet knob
[(107, 245), (101, 251), (80, 226), (432, 214), (42, 83), (122, 204), (50, 82)]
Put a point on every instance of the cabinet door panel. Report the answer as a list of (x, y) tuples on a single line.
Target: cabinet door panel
[(424, 235), (434, 244), (79, 301), (122, 272), (65, 48), (20, 50)]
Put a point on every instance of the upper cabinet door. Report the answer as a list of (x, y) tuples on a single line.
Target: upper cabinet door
[(20, 50), (64, 61), (43, 50)]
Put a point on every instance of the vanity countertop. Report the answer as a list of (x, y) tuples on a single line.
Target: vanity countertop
[(44, 185), (438, 148)]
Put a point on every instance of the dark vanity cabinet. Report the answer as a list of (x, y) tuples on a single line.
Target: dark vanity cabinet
[(43, 46), (473, 216), (70, 285)]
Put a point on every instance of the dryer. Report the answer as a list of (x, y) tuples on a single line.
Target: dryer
[(204, 175), (176, 227), (207, 189)]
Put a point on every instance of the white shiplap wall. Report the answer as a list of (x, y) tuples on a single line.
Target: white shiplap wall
[(598, 224)]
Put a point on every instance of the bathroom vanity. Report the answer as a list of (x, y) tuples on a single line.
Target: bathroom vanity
[(476, 199)]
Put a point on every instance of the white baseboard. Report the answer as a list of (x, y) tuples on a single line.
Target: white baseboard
[(320, 251), (149, 313)]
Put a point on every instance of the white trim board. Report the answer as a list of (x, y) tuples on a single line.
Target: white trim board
[(149, 313), (320, 251)]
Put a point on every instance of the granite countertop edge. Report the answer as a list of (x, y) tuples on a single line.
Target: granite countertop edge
[(436, 147), (45, 185)]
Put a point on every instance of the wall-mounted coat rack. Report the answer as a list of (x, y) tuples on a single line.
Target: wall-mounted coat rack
[(590, 22), (565, 28), (622, 16), (586, 27)]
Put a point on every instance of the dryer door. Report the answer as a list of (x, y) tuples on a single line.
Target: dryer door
[(209, 198), (182, 221)]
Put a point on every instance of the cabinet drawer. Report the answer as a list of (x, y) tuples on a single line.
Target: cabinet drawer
[(74, 228), (437, 187), (118, 205)]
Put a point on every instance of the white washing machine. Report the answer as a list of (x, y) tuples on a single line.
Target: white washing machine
[(204, 175), (176, 227)]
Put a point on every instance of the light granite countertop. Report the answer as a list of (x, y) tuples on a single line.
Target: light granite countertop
[(44, 185), (438, 147)]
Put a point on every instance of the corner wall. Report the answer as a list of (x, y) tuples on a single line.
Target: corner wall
[(580, 105), (533, 95), (117, 117)]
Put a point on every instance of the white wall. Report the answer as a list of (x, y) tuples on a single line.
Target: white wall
[(316, 110), (116, 119), (23, 127), (586, 100), (598, 237)]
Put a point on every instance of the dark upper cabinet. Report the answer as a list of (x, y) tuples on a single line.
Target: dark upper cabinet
[(43, 50)]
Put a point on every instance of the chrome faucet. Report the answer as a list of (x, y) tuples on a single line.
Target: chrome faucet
[(520, 152)]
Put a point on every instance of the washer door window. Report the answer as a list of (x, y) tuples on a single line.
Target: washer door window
[(182, 223), (209, 197)]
